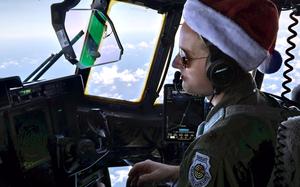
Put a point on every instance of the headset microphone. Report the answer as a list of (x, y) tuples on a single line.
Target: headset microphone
[(177, 81)]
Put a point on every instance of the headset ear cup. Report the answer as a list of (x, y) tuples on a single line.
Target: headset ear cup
[(221, 74)]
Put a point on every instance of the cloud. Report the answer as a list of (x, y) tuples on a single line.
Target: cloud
[(105, 76), (269, 77), (110, 47), (296, 77), (281, 40), (129, 46), (96, 91), (10, 63), (108, 75), (113, 88), (127, 76), (111, 95), (24, 61), (141, 73), (119, 175), (146, 65), (140, 45), (272, 87), (144, 44), (28, 60), (153, 41)]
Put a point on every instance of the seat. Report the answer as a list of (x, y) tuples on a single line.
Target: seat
[(287, 162)]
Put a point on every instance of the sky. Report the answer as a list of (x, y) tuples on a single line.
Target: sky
[(273, 82), (27, 39)]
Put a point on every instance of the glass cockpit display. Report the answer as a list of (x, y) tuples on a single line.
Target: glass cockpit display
[(182, 114), (31, 131)]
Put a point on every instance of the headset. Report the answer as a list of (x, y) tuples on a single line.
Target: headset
[(221, 69)]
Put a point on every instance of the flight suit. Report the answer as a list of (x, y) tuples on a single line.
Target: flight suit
[(236, 143)]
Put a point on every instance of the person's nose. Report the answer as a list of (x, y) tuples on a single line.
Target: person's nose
[(177, 62)]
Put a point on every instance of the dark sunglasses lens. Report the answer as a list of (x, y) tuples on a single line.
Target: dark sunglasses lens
[(183, 60)]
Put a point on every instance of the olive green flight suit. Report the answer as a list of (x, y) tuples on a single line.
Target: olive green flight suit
[(236, 146)]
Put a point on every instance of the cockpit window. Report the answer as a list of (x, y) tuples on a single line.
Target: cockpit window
[(27, 38), (171, 70), (272, 82), (138, 29)]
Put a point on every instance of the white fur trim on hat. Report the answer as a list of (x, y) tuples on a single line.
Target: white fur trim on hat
[(224, 33)]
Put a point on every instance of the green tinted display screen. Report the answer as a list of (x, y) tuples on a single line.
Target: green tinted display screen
[(93, 39), (25, 92), (31, 137)]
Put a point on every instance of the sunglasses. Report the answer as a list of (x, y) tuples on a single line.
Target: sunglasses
[(185, 60)]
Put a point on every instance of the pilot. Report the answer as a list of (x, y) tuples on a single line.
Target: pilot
[(220, 42)]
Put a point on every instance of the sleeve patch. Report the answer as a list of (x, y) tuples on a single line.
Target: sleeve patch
[(199, 170)]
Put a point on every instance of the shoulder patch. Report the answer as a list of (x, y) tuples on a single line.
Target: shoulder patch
[(199, 170)]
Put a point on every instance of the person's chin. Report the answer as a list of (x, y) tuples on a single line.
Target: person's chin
[(187, 90), (191, 92), (194, 93)]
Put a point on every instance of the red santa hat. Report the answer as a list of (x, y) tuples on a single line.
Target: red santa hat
[(245, 30)]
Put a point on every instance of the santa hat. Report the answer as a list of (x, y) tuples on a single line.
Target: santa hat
[(245, 30)]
